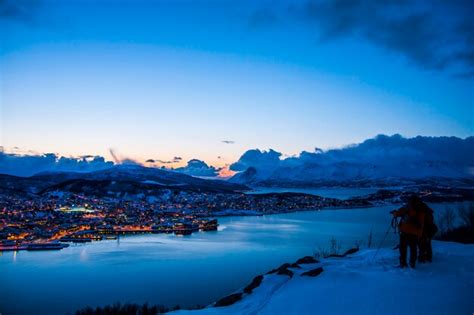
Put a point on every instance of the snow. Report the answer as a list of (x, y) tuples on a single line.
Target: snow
[(153, 182), (360, 284)]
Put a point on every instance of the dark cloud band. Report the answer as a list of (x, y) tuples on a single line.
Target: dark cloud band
[(435, 35)]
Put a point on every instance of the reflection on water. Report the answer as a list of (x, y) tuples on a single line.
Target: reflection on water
[(170, 270), (83, 255)]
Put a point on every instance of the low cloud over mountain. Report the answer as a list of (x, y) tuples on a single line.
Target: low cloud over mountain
[(377, 158), (198, 168), (26, 165), (380, 157), (264, 160)]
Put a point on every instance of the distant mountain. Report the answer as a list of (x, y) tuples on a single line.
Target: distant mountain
[(14, 185), (249, 176), (118, 178), (383, 159)]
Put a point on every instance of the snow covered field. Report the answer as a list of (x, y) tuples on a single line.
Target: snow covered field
[(360, 284)]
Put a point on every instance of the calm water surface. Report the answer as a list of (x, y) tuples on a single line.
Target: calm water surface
[(328, 192), (171, 270)]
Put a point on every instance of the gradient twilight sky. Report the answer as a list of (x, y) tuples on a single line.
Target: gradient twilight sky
[(159, 79)]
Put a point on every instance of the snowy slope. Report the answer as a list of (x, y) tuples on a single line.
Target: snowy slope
[(359, 284)]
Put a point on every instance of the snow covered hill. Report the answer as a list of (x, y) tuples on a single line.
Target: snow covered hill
[(360, 284)]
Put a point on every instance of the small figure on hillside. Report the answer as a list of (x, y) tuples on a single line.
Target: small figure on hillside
[(410, 228)]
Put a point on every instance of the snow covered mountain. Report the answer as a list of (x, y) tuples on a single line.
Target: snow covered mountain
[(363, 283), (124, 177), (383, 158)]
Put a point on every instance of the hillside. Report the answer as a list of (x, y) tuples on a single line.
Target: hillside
[(119, 178), (360, 284)]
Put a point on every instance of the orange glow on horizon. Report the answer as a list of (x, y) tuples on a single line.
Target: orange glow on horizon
[(170, 164), (225, 172)]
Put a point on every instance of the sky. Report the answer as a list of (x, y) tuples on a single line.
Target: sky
[(171, 81)]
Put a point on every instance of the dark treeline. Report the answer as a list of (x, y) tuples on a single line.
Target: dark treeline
[(125, 309), (131, 309), (457, 225)]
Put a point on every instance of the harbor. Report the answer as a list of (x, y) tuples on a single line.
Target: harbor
[(176, 227)]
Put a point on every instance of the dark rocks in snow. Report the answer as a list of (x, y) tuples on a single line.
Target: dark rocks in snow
[(295, 265), (285, 272), (334, 256), (313, 273), (351, 251), (254, 284), (302, 261), (233, 298), (229, 300), (284, 266), (306, 260), (282, 270), (348, 252)]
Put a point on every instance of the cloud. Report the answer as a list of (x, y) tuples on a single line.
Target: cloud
[(164, 162), (264, 160), (382, 156), (27, 165), (175, 159), (198, 168), (228, 141), (435, 35), (18, 11)]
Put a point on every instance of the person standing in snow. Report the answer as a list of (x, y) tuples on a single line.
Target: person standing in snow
[(410, 229), (429, 230)]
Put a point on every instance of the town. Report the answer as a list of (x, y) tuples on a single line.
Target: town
[(50, 221), (53, 219)]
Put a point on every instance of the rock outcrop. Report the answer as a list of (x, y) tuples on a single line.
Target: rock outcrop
[(282, 270), (348, 252), (254, 284), (314, 272), (229, 300), (307, 260)]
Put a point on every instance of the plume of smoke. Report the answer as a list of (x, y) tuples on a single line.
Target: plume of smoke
[(114, 156), (122, 160)]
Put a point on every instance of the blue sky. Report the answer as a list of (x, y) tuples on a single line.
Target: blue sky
[(159, 79)]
